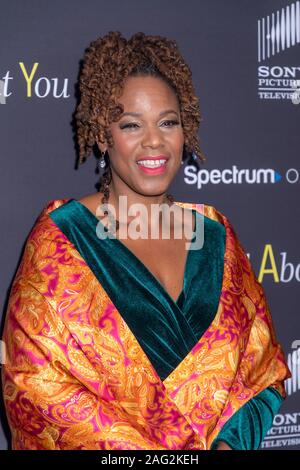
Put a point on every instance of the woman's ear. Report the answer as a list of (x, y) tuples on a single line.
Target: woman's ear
[(102, 147)]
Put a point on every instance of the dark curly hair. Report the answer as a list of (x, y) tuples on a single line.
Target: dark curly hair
[(107, 62)]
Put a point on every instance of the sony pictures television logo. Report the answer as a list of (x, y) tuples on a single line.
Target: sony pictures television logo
[(285, 430), (276, 33)]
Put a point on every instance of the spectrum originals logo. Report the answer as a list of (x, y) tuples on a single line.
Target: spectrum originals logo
[(234, 175)]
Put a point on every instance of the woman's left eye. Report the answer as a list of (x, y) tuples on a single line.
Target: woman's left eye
[(172, 122)]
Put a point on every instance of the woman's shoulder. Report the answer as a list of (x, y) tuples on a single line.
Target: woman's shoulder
[(44, 231), (53, 204), (208, 211), (45, 244)]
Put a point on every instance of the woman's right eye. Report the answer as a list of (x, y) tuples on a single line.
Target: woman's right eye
[(128, 125)]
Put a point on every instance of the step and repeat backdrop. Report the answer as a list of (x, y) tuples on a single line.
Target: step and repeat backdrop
[(245, 60)]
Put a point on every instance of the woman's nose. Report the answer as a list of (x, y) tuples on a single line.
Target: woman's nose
[(152, 137)]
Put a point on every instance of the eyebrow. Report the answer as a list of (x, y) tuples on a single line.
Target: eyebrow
[(167, 111)]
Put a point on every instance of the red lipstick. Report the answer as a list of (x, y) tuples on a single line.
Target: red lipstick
[(155, 170)]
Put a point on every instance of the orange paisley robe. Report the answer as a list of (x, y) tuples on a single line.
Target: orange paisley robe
[(76, 375)]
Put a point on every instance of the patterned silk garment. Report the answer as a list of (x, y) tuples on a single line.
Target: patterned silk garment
[(77, 377)]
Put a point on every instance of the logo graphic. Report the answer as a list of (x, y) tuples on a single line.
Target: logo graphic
[(276, 33), (284, 432), (35, 85), (283, 271), (234, 175), (292, 385), (279, 31)]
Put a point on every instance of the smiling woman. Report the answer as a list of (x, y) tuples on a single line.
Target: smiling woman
[(140, 343), (146, 141)]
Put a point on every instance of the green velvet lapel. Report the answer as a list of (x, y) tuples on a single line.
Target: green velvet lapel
[(165, 329)]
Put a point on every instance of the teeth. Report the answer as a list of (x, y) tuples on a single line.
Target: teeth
[(152, 163)]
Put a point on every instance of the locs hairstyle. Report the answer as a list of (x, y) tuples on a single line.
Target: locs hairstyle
[(107, 62)]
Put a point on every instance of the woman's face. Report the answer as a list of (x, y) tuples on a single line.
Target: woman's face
[(155, 130)]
